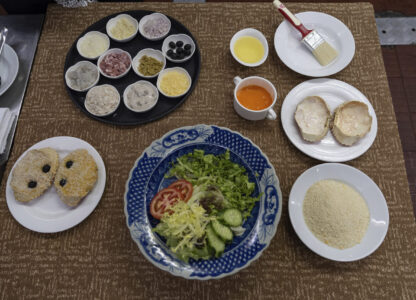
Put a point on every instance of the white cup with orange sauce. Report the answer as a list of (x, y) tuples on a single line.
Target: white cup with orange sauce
[(250, 107)]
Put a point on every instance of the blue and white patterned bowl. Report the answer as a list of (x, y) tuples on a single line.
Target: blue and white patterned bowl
[(147, 178)]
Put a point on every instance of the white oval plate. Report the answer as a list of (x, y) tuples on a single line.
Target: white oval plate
[(334, 92), (295, 55), (9, 67), (379, 213), (48, 214)]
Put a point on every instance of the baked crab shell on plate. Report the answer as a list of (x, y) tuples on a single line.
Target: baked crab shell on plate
[(312, 116), (351, 122)]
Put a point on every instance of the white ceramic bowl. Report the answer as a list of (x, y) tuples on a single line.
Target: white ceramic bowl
[(113, 50), (157, 54), (113, 21), (128, 88), (110, 111), (76, 65), (93, 33), (186, 39), (377, 206), (182, 70), (253, 33), (144, 20)]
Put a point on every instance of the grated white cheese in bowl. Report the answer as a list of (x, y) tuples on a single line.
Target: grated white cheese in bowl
[(336, 213), (102, 100)]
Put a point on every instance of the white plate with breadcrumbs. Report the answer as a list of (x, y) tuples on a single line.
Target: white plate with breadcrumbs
[(334, 92), (48, 214), (295, 55), (377, 206)]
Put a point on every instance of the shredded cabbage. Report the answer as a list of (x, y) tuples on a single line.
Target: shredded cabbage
[(183, 226)]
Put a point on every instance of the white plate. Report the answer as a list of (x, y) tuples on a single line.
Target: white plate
[(334, 92), (48, 213), (9, 67), (295, 55), (379, 214)]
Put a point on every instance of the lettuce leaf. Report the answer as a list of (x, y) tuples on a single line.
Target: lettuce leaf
[(217, 170)]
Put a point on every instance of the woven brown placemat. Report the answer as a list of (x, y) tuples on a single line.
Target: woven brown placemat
[(98, 259)]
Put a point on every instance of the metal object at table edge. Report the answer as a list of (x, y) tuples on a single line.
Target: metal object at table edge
[(3, 36), (14, 97)]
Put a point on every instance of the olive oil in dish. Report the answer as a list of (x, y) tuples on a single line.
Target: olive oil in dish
[(249, 49)]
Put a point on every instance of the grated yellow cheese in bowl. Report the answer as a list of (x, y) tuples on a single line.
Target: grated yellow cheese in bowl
[(174, 83), (336, 213), (123, 29)]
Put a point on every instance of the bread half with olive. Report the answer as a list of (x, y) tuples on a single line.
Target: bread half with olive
[(76, 176), (34, 174)]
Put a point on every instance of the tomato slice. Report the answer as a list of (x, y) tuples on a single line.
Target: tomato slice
[(184, 187), (163, 200)]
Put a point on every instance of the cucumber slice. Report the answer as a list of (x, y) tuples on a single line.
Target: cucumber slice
[(215, 242), (222, 231), (233, 217)]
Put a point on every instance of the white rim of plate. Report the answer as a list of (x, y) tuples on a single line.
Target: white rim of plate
[(343, 37), (317, 150), (377, 206), (10, 55), (33, 216)]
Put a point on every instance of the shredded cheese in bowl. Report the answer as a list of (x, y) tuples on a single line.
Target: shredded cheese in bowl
[(123, 29), (174, 82), (336, 213)]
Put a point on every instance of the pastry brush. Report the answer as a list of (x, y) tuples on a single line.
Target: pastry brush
[(321, 49)]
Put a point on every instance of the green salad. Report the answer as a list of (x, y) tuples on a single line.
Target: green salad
[(205, 207)]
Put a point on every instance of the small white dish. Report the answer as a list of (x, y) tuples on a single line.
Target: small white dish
[(156, 54), (186, 39), (377, 206), (76, 66), (292, 52), (113, 21), (91, 33), (249, 114), (181, 70), (148, 17), (110, 112), (125, 93), (113, 50), (9, 67), (253, 33), (334, 92), (48, 214)]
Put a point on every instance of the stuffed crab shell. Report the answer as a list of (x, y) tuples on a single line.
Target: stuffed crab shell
[(352, 122), (312, 116)]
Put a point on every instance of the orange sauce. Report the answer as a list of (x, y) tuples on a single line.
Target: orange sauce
[(254, 97)]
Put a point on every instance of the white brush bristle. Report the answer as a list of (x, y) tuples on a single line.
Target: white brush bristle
[(325, 53)]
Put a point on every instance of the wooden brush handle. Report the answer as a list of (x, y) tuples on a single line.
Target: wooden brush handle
[(291, 18)]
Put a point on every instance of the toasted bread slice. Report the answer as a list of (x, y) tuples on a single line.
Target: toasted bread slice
[(76, 176)]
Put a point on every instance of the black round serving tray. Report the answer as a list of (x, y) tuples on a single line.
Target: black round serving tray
[(124, 116)]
